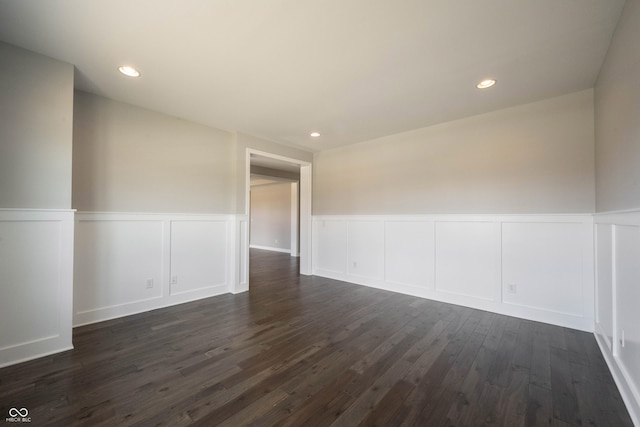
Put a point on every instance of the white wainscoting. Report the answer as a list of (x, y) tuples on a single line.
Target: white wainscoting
[(36, 261), (468, 259), (537, 267), (129, 263), (407, 245), (617, 300), (239, 259)]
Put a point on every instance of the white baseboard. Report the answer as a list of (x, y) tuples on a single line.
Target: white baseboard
[(136, 307), (632, 404), (550, 317), (270, 248), (32, 354)]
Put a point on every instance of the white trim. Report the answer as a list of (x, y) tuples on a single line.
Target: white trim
[(601, 332), (35, 356), (578, 316), (136, 307), (61, 339), (614, 292), (295, 213), (141, 216), (165, 296), (270, 248), (239, 247), (611, 349), (621, 217), (623, 384), (306, 219), (596, 281), (278, 157), (23, 211), (618, 211), (543, 218)]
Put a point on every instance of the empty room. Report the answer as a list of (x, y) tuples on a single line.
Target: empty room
[(314, 213)]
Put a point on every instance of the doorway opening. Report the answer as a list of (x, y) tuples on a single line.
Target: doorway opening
[(274, 209), (278, 231)]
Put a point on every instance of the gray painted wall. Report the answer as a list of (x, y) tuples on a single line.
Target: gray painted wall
[(534, 158), (129, 159), (36, 115), (271, 216), (617, 117)]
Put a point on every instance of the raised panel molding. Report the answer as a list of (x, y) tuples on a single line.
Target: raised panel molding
[(542, 267), (238, 238), (198, 255), (604, 282), (617, 247), (36, 260), (410, 253), (467, 259), (460, 259), (365, 249), (626, 298), (330, 248), (129, 263), (114, 261)]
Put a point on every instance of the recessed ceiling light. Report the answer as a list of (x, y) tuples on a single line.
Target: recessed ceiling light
[(129, 71), (314, 134), (486, 83)]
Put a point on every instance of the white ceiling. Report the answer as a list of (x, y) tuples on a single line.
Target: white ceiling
[(352, 70)]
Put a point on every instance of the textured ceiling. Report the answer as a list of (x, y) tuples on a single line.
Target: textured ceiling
[(352, 70)]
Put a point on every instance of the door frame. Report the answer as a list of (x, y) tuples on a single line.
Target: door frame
[(305, 207)]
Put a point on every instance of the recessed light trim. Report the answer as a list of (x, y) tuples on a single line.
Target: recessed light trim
[(487, 83), (314, 134), (129, 71)]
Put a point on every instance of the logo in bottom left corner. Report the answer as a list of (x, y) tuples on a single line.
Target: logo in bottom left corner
[(18, 415)]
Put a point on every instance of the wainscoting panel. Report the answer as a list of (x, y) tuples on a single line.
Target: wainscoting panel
[(365, 245), (36, 261), (410, 253), (627, 295), (238, 236), (128, 263), (198, 255), (117, 262), (468, 260), (330, 248), (542, 266), (618, 296), (604, 282)]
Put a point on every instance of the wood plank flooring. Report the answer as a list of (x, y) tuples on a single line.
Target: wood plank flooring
[(308, 351)]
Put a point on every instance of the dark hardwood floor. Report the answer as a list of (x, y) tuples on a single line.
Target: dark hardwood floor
[(308, 351)]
